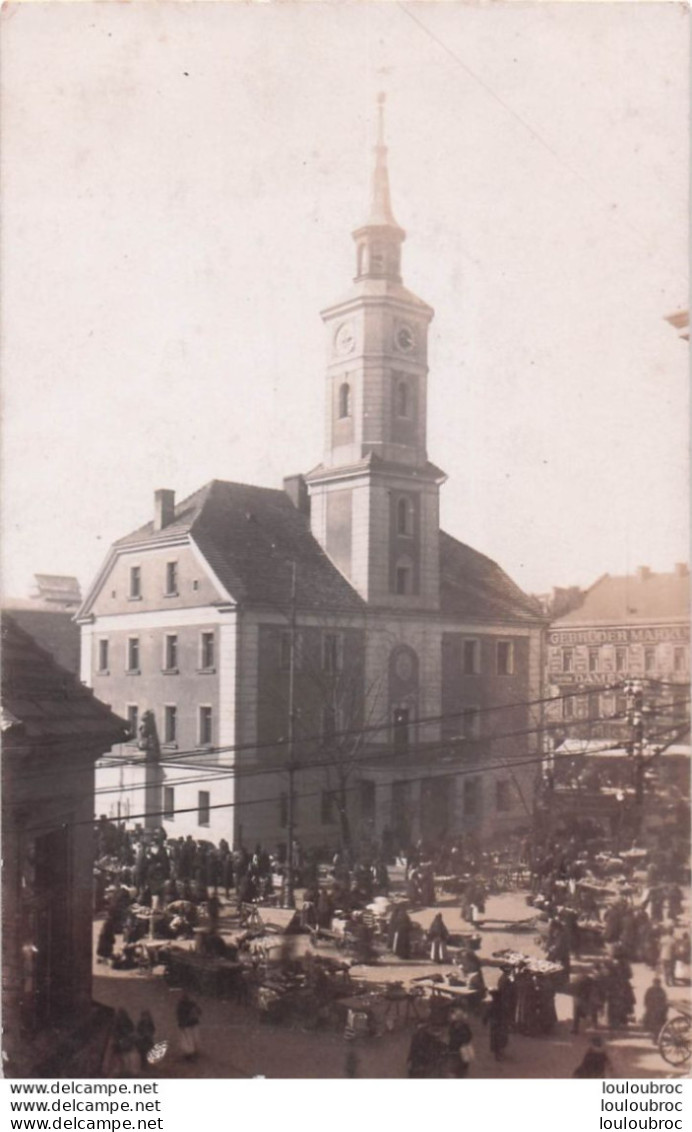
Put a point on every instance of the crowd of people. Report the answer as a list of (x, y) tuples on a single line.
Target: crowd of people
[(602, 913)]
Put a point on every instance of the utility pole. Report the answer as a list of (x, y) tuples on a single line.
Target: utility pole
[(634, 692), (290, 817)]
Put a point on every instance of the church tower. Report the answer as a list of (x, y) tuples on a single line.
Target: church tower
[(375, 497)]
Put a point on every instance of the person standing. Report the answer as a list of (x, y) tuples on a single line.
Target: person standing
[(583, 1000), (667, 955), (460, 1041), (655, 1008), (188, 1015), (498, 1028), (438, 937), (144, 1036)]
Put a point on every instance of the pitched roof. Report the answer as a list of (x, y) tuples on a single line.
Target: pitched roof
[(474, 587), (643, 597), (44, 702), (251, 536), (53, 630)]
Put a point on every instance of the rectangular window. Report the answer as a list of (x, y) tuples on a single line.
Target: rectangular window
[(103, 656), (171, 579), (207, 650), (133, 654), (471, 658), (621, 660), (133, 719), (168, 803), (170, 653), (170, 723), (285, 651), (327, 807), (203, 801), (649, 659), (283, 810), (503, 794), (679, 660), (135, 581), (593, 660), (471, 797), (471, 723), (331, 652), (504, 658), (568, 707), (568, 660), (205, 726)]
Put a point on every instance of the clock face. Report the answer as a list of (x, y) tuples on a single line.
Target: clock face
[(405, 338), (345, 339)]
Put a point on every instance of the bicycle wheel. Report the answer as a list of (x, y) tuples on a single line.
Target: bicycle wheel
[(675, 1041)]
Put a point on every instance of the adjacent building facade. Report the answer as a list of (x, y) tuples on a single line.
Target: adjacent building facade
[(626, 627), (628, 773), (331, 627), (53, 730)]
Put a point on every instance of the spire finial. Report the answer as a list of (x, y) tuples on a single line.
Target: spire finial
[(380, 207), (381, 100)]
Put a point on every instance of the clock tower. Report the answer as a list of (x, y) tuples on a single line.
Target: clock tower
[(374, 497)]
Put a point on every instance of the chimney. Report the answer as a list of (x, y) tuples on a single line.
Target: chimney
[(643, 573), (297, 491), (682, 570), (164, 508)]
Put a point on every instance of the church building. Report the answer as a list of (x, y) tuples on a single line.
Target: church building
[(323, 657)]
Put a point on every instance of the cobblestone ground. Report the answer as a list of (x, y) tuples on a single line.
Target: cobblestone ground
[(236, 1044)]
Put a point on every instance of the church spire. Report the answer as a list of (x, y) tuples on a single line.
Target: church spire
[(379, 239), (381, 214)]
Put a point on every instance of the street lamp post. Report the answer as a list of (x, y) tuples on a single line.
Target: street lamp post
[(290, 816)]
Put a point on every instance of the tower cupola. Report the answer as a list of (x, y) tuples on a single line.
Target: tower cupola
[(379, 240)]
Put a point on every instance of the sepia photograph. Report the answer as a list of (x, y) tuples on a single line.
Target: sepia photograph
[(345, 542)]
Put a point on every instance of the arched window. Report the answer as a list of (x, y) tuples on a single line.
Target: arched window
[(376, 258), (403, 400), (404, 517), (344, 400)]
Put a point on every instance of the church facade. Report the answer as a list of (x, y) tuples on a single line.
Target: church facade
[(323, 658)]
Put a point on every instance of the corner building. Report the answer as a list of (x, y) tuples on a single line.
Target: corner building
[(405, 664)]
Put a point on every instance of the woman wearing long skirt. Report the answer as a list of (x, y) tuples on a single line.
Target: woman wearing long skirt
[(188, 1016)]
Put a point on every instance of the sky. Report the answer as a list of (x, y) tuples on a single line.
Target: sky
[(180, 182)]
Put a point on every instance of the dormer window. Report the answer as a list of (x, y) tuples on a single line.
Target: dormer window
[(344, 400)]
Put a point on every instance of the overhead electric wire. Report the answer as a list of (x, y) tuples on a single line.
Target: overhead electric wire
[(364, 758), (235, 748), (457, 772)]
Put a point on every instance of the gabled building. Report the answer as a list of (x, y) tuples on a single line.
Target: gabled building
[(333, 620), (53, 731), (627, 628), (634, 626)]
